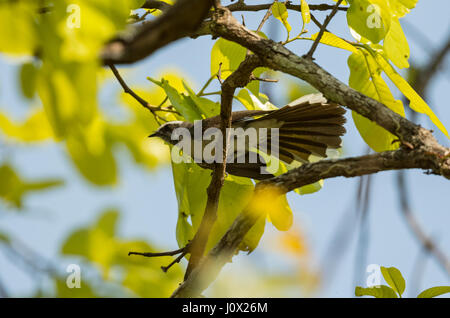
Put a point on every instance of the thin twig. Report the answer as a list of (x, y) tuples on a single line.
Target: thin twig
[(322, 30), (149, 254), (238, 78), (268, 80), (241, 6), (181, 251), (219, 74), (264, 19), (140, 100)]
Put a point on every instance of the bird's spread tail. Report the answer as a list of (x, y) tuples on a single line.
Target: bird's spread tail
[(306, 129)]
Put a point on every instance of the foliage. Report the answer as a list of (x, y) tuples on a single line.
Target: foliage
[(99, 245), (396, 287)]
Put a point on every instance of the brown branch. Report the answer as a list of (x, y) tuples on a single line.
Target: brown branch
[(155, 4), (241, 6), (239, 78), (159, 254), (140, 100), (322, 30), (180, 20)]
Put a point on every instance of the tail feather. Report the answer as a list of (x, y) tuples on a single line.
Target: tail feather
[(306, 127)]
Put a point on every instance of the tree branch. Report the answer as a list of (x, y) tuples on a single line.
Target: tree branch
[(239, 78), (322, 30), (178, 21), (241, 6)]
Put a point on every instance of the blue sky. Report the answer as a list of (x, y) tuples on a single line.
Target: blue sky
[(148, 203)]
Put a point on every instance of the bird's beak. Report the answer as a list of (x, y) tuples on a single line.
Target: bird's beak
[(155, 134)]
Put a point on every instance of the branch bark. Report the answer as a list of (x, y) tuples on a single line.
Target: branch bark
[(139, 42), (239, 78)]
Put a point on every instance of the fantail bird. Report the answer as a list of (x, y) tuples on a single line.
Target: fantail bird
[(307, 127)]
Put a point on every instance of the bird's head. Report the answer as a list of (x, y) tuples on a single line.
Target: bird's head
[(165, 130)]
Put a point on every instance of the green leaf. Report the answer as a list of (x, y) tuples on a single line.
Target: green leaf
[(13, 188), (280, 12), (226, 56), (333, 40), (396, 46), (369, 18), (184, 106), (416, 102), (402, 7), (207, 107), (365, 77), (95, 243), (306, 14), (92, 154), (394, 278), (27, 77), (379, 291), (4, 238), (310, 188), (190, 183), (69, 95), (434, 292), (16, 22), (280, 214), (108, 222), (35, 128)]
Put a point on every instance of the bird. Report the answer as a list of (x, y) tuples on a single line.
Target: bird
[(306, 128)]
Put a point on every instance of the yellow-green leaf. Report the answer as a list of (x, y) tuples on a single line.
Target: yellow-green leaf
[(394, 278), (416, 102), (333, 40), (434, 292), (402, 7), (13, 188), (369, 18), (306, 14), (280, 12), (35, 128), (18, 29), (396, 46), (280, 213), (92, 154), (226, 56), (379, 291), (365, 77), (28, 79)]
